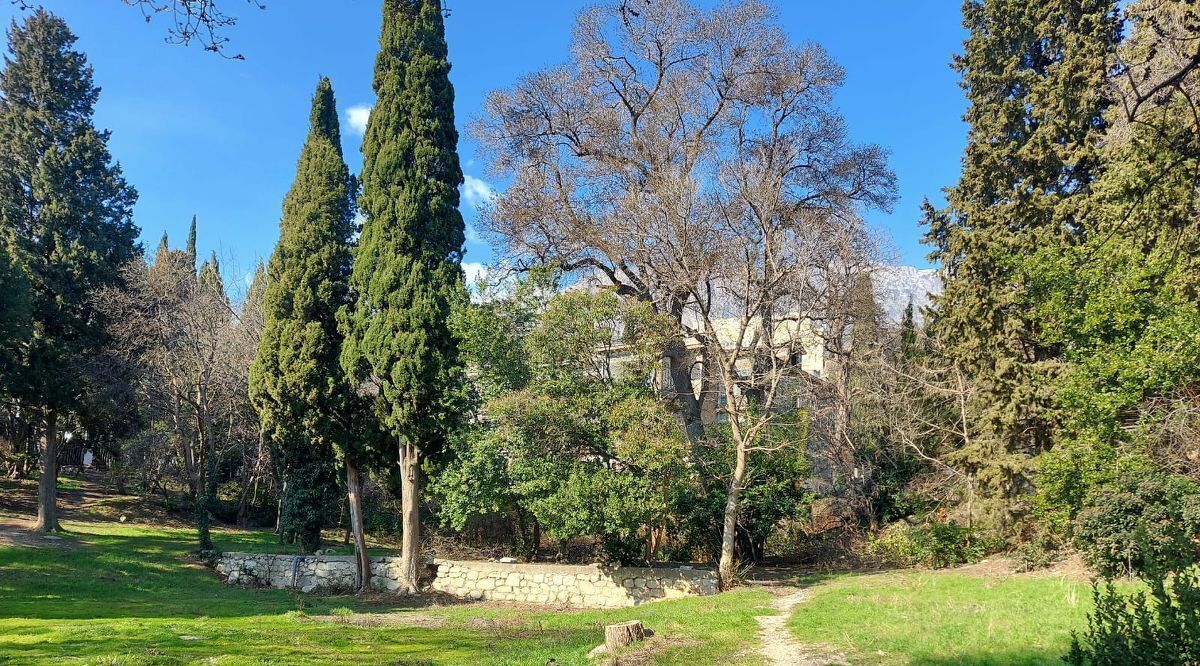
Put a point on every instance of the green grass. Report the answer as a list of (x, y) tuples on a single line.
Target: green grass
[(113, 593), (129, 595), (940, 618)]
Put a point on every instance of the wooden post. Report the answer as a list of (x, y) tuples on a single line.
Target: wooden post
[(622, 634)]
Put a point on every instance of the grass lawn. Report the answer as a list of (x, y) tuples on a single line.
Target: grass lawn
[(126, 593), (939, 618), (119, 594)]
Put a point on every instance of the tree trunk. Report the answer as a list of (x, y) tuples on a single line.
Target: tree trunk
[(354, 496), (207, 487), (623, 634), (47, 518), (729, 529), (279, 511), (189, 453), (679, 367), (537, 540), (410, 513)]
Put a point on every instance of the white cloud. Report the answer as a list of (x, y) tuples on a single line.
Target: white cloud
[(356, 117), (473, 270), (477, 192)]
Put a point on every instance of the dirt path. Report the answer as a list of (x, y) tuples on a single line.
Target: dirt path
[(16, 532), (778, 647)]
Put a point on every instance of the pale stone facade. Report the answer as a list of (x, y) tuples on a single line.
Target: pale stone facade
[(589, 586)]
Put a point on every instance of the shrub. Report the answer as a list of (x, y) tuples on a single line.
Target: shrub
[(1041, 552), (933, 545), (1147, 524), (1148, 527), (1159, 629)]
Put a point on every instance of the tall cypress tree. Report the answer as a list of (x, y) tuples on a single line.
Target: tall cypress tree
[(296, 382), (211, 289), (65, 216), (190, 250), (407, 264), (1034, 73)]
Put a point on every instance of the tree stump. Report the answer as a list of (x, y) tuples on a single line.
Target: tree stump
[(622, 634)]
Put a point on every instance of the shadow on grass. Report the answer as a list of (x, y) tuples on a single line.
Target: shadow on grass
[(274, 640), (1031, 657), (147, 573)]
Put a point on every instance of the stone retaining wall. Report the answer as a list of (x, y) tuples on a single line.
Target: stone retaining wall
[(307, 573), (591, 586), (580, 586)]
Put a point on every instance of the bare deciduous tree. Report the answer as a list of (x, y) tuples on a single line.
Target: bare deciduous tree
[(182, 333), (691, 159), (201, 21)]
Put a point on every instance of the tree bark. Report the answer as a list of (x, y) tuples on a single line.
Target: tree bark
[(729, 529), (354, 496), (679, 369), (47, 518), (623, 634), (189, 453), (410, 513), (208, 479), (279, 511)]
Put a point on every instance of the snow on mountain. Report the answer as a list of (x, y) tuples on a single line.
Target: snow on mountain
[(895, 286)]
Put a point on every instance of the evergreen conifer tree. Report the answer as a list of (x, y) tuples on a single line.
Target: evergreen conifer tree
[(407, 269), (190, 250), (211, 290), (297, 384), (908, 332), (1125, 303), (65, 217), (1034, 73), (16, 312)]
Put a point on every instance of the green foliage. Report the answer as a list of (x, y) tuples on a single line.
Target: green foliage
[(1067, 474), (1034, 74), (1039, 549), (932, 545), (65, 208), (406, 273), (1161, 628), (774, 490), (492, 328), (1123, 303), (581, 458), (1141, 526), (16, 312), (597, 335), (575, 442), (307, 408)]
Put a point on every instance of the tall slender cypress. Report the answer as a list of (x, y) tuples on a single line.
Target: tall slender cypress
[(65, 217), (407, 265), (1034, 73), (296, 382), (191, 244)]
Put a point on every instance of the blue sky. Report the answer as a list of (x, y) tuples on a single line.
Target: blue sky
[(198, 134)]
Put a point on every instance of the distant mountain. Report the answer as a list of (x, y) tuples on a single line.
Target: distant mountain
[(895, 286)]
